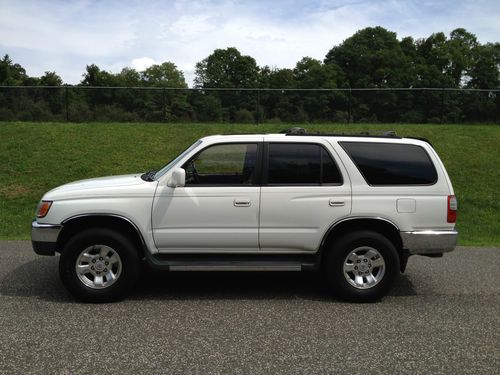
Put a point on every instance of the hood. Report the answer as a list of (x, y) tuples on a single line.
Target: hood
[(102, 186)]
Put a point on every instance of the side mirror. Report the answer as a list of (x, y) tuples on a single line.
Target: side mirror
[(178, 178)]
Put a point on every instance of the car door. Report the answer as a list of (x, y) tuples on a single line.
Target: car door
[(218, 208), (305, 189)]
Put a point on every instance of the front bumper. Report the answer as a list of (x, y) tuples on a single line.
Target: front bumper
[(44, 237), (427, 242)]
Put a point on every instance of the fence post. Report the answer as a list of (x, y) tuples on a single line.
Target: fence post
[(257, 110), (66, 102), (442, 105), (349, 110), (164, 105)]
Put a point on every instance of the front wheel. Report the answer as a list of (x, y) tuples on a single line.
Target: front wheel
[(361, 266), (99, 265)]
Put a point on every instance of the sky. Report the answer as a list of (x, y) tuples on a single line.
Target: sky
[(65, 36)]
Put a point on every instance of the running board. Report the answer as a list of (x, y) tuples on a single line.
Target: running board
[(218, 262)]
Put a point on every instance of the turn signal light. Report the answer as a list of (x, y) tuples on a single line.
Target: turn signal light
[(43, 209)]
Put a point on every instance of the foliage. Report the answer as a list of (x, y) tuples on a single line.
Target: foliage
[(231, 84), (372, 57), (227, 68)]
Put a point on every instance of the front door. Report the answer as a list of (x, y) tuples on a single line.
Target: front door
[(218, 208)]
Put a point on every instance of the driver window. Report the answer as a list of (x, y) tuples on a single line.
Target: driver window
[(224, 164)]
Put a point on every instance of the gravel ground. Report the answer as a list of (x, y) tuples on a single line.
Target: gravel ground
[(442, 317)]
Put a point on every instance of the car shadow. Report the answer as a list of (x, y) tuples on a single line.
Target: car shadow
[(39, 279)]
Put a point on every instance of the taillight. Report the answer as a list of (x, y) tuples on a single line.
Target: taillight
[(452, 209)]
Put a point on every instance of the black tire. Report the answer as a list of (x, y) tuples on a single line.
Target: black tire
[(129, 265), (337, 255)]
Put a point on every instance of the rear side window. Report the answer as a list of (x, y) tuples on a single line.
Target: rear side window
[(301, 164), (383, 164)]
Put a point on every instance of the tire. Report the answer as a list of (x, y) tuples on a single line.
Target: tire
[(361, 266), (108, 263)]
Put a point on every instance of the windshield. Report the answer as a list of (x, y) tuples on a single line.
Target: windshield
[(167, 167)]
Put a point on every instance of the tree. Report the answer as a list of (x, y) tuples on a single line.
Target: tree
[(372, 57), (227, 68), (50, 79), (443, 62), (276, 78), (275, 105), (461, 47), (94, 76), (485, 67), (163, 75), (484, 74), (11, 74), (310, 73), (168, 105), (128, 77), (433, 62)]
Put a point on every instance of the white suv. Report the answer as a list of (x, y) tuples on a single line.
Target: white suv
[(354, 206)]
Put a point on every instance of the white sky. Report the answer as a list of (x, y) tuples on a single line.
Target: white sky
[(65, 36)]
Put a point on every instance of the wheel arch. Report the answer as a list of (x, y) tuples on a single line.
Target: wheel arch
[(121, 224), (380, 225)]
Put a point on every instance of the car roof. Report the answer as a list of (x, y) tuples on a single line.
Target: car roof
[(311, 137)]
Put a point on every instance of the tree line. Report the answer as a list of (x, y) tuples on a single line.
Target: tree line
[(373, 59)]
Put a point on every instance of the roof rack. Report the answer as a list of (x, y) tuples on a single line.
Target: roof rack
[(303, 132), (294, 131)]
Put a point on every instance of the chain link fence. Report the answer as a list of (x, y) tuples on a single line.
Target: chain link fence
[(147, 104)]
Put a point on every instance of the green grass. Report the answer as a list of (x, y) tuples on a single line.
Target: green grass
[(36, 157)]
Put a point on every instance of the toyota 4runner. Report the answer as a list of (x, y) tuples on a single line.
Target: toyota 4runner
[(353, 206)]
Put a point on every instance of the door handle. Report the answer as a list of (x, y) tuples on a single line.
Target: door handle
[(241, 202), (336, 203)]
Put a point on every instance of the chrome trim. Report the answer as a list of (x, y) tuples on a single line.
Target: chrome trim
[(349, 218), (429, 241), (205, 268), (44, 232), (363, 218)]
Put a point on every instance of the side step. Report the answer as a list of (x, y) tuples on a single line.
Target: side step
[(231, 262)]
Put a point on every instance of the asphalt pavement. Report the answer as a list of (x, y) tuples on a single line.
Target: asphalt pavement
[(442, 317)]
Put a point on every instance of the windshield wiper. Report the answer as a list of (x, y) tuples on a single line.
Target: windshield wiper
[(149, 176)]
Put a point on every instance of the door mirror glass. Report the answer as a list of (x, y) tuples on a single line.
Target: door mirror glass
[(178, 178)]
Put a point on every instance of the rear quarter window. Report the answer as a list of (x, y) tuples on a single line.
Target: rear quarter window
[(385, 164)]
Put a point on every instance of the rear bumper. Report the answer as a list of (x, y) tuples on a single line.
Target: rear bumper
[(44, 237), (429, 241)]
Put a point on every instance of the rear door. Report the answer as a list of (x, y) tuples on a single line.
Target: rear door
[(305, 189)]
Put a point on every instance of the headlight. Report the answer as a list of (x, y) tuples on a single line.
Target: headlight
[(43, 208)]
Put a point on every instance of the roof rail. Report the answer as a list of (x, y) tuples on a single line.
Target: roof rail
[(303, 132), (421, 139)]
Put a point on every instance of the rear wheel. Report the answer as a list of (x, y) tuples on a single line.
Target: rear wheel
[(99, 265), (361, 266)]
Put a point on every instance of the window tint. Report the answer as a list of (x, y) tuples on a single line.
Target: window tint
[(331, 174), (298, 163), (225, 164), (392, 164)]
